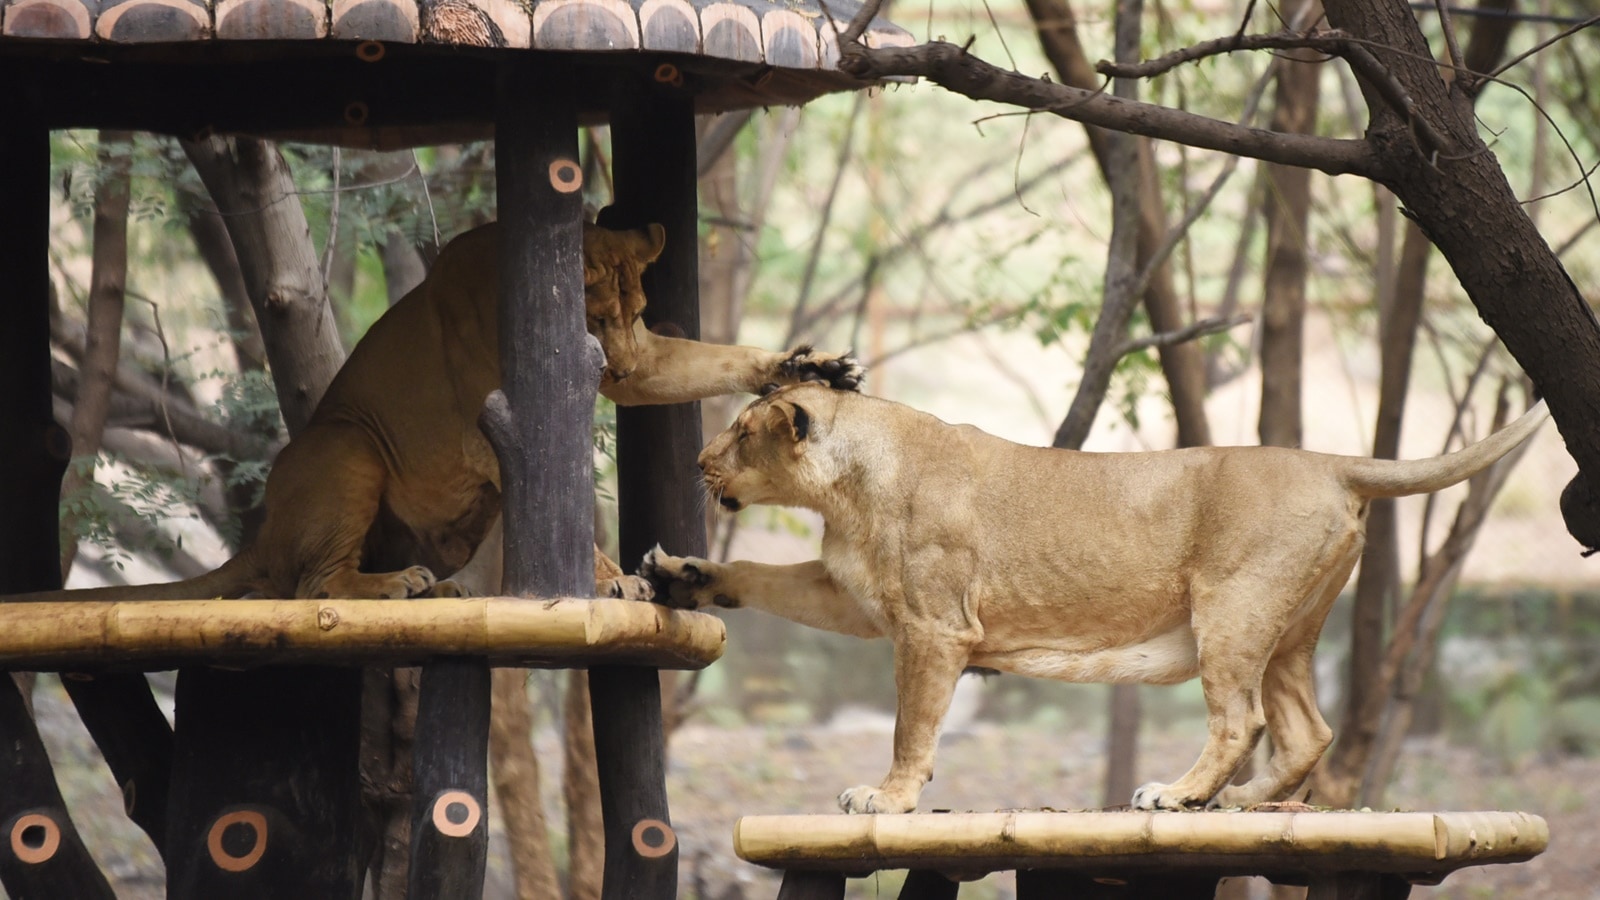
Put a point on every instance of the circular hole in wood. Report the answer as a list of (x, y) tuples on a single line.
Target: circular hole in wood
[(667, 73), (653, 838), (237, 840), (370, 51), (355, 112), (565, 176), (456, 813), (35, 837)]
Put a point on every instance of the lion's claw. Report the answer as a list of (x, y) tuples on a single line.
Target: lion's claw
[(839, 371), (673, 579)]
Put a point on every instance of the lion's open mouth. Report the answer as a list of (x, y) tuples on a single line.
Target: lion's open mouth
[(730, 503)]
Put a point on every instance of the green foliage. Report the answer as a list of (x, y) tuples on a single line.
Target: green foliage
[(135, 494)]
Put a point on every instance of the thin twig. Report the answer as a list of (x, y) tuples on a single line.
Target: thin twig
[(416, 166), (1536, 48), (1450, 42), (333, 225), (166, 380), (1198, 329), (808, 277)]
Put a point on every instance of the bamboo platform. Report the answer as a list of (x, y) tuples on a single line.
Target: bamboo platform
[(1112, 849), (160, 634)]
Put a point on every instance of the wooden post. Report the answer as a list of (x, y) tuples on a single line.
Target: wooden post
[(798, 885), (653, 150), (540, 420), (1357, 886), (921, 884), (1038, 884), (265, 796), (41, 854)]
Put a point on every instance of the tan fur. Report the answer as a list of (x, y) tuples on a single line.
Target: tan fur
[(968, 550), (392, 484)]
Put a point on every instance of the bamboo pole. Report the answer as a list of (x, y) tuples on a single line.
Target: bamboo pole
[(554, 633), (1423, 845)]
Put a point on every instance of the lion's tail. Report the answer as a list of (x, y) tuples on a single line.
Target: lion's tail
[(1399, 478), (231, 579)]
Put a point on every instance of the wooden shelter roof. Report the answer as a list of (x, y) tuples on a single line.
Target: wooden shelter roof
[(388, 73)]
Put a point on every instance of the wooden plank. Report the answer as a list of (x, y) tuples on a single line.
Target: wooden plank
[(144, 21), (41, 854), (1417, 844), (653, 152), (265, 797), (237, 633), (394, 21), (585, 25), (55, 19), (790, 39), (672, 25), (272, 20), (731, 31)]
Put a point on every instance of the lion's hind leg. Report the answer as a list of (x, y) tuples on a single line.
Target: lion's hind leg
[(1288, 692)]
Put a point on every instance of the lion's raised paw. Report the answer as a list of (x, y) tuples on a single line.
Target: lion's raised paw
[(673, 579), (840, 371)]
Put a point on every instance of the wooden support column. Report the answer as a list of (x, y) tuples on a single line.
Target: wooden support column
[(653, 169), (540, 421), (921, 884), (41, 855), (798, 885), (265, 796)]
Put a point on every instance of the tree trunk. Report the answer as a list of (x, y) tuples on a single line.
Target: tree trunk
[(1183, 364), (1288, 212), (256, 197), (103, 338), (1515, 281), (515, 769), (1337, 780), (580, 786)]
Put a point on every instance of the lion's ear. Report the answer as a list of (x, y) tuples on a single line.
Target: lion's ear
[(653, 238), (793, 418)]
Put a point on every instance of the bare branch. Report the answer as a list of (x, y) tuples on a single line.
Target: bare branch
[(1197, 329), (1536, 48), (952, 67), (1330, 41)]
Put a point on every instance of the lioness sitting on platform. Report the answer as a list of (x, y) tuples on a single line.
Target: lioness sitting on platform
[(968, 550), (392, 484)]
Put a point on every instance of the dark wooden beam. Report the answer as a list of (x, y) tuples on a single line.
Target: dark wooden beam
[(811, 886), (41, 854), (653, 169), (921, 884), (265, 795)]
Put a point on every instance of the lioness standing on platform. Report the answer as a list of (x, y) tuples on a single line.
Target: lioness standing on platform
[(969, 550)]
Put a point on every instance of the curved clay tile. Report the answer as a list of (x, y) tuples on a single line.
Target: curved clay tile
[(147, 21), (59, 19), (396, 21)]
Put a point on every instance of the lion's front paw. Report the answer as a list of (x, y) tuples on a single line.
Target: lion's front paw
[(840, 371), (676, 581), (864, 799), (417, 580), (1156, 795), (450, 588), (627, 587)]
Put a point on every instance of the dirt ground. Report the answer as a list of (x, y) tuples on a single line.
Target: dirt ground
[(717, 774)]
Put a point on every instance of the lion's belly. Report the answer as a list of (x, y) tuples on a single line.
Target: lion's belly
[(1167, 657)]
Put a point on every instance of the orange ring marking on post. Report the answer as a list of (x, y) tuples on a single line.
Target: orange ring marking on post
[(46, 848), (565, 176), (370, 51), (667, 73), (441, 818), (669, 839), (355, 112), (226, 861)]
